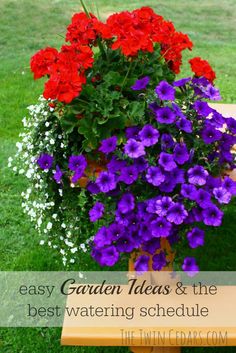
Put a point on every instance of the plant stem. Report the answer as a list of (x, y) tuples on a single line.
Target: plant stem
[(85, 8), (101, 47), (127, 74)]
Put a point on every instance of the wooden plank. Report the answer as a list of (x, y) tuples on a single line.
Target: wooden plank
[(111, 336), (227, 110)]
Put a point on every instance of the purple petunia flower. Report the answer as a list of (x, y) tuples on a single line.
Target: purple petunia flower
[(93, 188), (229, 185), (140, 164), (77, 175), (149, 135), (217, 119), (210, 134), (176, 214), (141, 84), (159, 261), (197, 175), (77, 163), (128, 175), (132, 132), (167, 141), (141, 210), (144, 231), (222, 195), (134, 149), (225, 157), (181, 82), (152, 245), (195, 238), (151, 204), (212, 93), (166, 160), (190, 266), (101, 238), (96, 211), (45, 161), (116, 165), (181, 154), (141, 265), (106, 181), (185, 125), (188, 191), (115, 231), (178, 175), (126, 203), (203, 199), (169, 183), (125, 244), (165, 116), (121, 218), (58, 174), (200, 81), (202, 108), (162, 206), (160, 227), (213, 182), (212, 216), (231, 124), (178, 111), (108, 145), (109, 256), (197, 214), (155, 176), (165, 91)]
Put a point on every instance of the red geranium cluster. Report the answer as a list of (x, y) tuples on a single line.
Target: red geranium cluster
[(202, 68), (66, 70), (138, 31), (129, 32)]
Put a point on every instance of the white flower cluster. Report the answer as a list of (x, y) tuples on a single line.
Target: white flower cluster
[(40, 135)]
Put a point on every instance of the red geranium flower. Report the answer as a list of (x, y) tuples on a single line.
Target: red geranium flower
[(42, 61), (202, 68), (64, 85), (82, 29)]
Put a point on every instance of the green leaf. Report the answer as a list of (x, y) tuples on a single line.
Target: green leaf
[(69, 122)]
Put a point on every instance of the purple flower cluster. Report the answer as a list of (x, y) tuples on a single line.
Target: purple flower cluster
[(162, 179), (186, 194)]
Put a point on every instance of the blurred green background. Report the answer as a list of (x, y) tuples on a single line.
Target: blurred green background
[(25, 27)]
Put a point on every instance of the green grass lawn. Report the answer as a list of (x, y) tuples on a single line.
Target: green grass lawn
[(26, 26)]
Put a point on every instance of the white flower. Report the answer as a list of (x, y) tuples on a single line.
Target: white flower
[(49, 225), (39, 222), (19, 146)]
